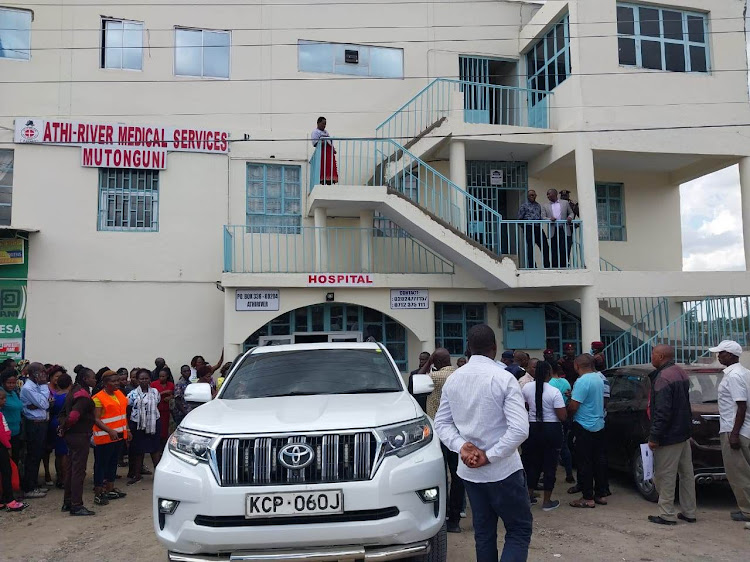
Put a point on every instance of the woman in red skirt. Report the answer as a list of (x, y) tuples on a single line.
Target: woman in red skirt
[(166, 392), (329, 173)]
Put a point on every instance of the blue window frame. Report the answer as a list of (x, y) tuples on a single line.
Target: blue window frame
[(562, 328), (548, 61), (15, 34), (6, 186), (128, 200), (274, 198), (351, 60), (340, 317), (662, 38), (452, 324), (610, 211)]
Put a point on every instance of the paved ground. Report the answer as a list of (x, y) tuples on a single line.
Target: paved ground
[(123, 531)]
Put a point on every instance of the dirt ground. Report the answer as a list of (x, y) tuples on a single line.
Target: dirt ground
[(122, 531)]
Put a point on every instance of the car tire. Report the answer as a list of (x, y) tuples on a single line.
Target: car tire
[(438, 548), (646, 489)]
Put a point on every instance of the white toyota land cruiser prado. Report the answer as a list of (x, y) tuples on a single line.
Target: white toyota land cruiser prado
[(309, 452)]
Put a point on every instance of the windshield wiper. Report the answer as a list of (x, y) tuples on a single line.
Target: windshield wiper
[(293, 393), (370, 391)]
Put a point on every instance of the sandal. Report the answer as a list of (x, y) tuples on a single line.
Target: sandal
[(600, 501), (582, 503), (16, 506), (574, 490)]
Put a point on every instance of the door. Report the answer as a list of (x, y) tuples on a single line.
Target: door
[(355, 337), (476, 96), (625, 412), (275, 340)]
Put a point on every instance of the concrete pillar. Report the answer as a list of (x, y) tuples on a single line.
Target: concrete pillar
[(590, 323), (745, 196), (455, 204), (586, 191), (428, 345), (366, 255), (231, 350), (321, 239)]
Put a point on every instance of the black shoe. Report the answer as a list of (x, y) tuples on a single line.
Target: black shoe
[(659, 521), (570, 479), (454, 528), (146, 472), (739, 516), (82, 511), (65, 507), (686, 518), (115, 494), (574, 490), (101, 499)]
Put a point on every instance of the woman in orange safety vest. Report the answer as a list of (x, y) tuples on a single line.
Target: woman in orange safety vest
[(110, 433)]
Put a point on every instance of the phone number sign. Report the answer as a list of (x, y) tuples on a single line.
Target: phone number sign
[(256, 299)]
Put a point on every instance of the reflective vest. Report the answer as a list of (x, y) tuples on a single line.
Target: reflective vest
[(114, 415)]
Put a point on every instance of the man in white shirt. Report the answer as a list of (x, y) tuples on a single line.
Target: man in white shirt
[(734, 424), (483, 417)]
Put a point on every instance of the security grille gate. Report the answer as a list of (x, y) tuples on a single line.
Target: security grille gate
[(255, 461)]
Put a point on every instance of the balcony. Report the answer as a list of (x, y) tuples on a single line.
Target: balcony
[(310, 249)]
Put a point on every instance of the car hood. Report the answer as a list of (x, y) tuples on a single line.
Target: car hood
[(302, 413)]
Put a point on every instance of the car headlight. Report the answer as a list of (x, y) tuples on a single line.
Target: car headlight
[(405, 438), (190, 447)]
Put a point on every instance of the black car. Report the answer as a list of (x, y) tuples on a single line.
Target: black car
[(628, 424)]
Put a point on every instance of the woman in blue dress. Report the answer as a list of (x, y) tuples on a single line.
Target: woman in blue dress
[(58, 393)]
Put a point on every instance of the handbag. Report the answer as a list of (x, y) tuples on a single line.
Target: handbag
[(15, 479)]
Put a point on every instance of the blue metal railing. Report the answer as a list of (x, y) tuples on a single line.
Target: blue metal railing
[(649, 315), (482, 104), (307, 249), (702, 324), (383, 162), (543, 244)]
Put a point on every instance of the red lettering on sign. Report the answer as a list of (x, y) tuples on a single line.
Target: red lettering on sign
[(47, 135), (127, 158), (87, 157), (81, 132), (97, 156), (224, 142), (108, 131), (137, 162)]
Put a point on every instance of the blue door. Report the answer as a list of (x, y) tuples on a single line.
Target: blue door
[(474, 73)]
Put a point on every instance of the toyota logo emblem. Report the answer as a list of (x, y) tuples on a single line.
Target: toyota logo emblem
[(296, 456)]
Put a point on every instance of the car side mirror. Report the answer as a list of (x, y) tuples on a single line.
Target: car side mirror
[(198, 392), (422, 384)]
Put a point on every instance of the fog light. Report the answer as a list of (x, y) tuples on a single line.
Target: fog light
[(168, 506), (429, 495)]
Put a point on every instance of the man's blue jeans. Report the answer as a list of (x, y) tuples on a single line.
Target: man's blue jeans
[(507, 500)]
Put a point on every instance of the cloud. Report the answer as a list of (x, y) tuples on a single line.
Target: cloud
[(712, 223)]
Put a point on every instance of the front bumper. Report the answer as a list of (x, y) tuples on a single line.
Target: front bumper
[(380, 554), (386, 514)]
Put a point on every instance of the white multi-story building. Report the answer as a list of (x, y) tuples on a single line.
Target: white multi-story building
[(167, 200)]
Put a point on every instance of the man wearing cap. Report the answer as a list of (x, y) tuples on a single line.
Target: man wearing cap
[(549, 356), (510, 365), (734, 424), (568, 363), (597, 350)]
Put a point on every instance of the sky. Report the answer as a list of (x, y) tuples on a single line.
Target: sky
[(712, 221)]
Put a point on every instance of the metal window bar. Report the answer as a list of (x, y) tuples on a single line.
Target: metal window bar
[(128, 200)]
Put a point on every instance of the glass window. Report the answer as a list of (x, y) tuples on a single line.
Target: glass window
[(610, 210), (6, 186), (562, 328), (452, 324), (122, 44), (351, 60), (662, 39), (548, 61), (128, 199), (274, 198), (15, 34), (202, 53)]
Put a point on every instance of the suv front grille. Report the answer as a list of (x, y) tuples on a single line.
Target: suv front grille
[(338, 457)]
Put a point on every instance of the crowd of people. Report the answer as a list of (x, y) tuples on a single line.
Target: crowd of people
[(505, 425), (123, 415)]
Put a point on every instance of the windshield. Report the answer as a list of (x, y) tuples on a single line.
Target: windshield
[(312, 371), (704, 387)]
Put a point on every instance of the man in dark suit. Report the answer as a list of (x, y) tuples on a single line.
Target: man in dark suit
[(560, 213)]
